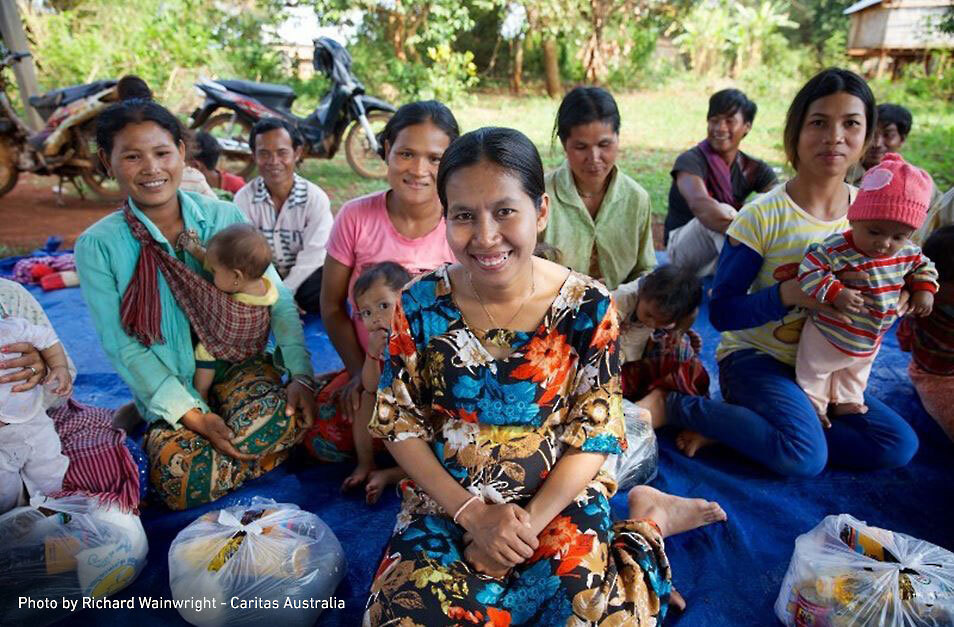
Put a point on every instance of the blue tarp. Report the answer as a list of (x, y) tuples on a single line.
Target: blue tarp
[(729, 573)]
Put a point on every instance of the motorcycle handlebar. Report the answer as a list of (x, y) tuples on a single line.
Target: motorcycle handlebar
[(12, 57)]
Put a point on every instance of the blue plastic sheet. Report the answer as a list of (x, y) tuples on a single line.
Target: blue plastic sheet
[(729, 573)]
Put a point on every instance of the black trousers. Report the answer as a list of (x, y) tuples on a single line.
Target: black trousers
[(308, 294)]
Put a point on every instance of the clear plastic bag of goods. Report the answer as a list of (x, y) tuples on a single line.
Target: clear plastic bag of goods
[(263, 563), (844, 572), (67, 548), (638, 463)]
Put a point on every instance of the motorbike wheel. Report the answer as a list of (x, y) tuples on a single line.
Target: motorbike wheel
[(361, 158), (8, 165), (95, 176), (103, 186), (239, 160)]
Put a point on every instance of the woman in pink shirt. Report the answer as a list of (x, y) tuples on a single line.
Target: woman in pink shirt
[(403, 224)]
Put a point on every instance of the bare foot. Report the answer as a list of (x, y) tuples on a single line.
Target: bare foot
[(673, 514), (691, 442), (655, 404), (843, 409), (380, 479), (676, 600), (358, 476)]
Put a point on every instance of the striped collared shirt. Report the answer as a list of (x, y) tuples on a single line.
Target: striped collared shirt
[(298, 233), (887, 276)]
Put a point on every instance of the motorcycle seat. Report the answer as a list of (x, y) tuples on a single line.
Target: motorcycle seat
[(54, 99), (274, 94)]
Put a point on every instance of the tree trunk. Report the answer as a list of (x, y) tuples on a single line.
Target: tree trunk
[(516, 78), (551, 67)]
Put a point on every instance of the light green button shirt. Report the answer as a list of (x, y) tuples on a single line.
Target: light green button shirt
[(160, 376), (622, 231)]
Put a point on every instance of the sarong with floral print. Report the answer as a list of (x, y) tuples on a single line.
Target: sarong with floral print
[(499, 426), (184, 468)]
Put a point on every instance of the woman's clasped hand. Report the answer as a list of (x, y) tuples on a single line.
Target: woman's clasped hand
[(499, 536)]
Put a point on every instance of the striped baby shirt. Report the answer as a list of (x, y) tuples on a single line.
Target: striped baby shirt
[(887, 276)]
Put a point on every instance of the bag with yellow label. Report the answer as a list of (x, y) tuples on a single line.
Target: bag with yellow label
[(65, 548), (264, 561), (844, 572)]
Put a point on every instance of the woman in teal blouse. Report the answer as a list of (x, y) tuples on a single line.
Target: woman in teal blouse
[(197, 453), (599, 217)]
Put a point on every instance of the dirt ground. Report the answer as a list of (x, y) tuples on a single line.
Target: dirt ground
[(31, 212)]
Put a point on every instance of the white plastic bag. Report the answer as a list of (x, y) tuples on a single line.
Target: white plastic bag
[(636, 465), (71, 547), (844, 572), (264, 563)]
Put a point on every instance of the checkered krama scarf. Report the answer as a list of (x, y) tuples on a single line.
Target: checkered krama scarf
[(230, 330)]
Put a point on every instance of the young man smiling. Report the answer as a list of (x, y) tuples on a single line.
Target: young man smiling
[(293, 213), (711, 181)]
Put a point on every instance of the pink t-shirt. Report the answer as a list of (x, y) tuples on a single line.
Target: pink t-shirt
[(364, 235)]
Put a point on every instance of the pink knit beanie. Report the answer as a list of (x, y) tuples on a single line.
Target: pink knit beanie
[(894, 190)]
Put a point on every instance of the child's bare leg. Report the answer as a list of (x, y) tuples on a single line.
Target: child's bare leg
[(380, 479), (362, 444), (202, 381), (655, 404)]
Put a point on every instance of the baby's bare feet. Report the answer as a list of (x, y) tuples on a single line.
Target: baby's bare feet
[(358, 476), (844, 409), (691, 442), (673, 514), (378, 480)]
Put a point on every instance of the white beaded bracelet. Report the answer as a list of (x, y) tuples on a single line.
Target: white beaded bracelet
[(466, 503)]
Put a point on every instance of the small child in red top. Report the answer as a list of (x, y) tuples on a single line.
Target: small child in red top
[(376, 293), (205, 159), (931, 339), (834, 356)]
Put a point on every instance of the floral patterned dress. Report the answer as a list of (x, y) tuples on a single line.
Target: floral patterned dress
[(499, 426)]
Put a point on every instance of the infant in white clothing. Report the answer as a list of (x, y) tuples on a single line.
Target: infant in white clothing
[(30, 452)]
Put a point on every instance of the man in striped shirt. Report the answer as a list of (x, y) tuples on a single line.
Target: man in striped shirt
[(834, 357), (292, 213)]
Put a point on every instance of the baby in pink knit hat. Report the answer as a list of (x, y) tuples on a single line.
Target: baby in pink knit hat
[(835, 353)]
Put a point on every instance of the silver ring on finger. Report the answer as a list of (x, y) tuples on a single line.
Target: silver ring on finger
[(33, 370)]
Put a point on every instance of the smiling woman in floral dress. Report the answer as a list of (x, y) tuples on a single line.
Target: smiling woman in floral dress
[(501, 400)]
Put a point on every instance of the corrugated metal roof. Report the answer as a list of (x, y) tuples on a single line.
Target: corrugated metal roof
[(858, 6)]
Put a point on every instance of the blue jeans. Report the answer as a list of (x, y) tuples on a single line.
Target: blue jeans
[(768, 418)]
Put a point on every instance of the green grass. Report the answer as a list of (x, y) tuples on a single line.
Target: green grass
[(657, 125)]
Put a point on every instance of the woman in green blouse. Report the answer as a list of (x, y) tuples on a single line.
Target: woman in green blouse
[(599, 218), (197, 453)]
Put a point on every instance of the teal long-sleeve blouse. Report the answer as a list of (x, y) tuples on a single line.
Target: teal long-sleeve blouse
[(160, 376)]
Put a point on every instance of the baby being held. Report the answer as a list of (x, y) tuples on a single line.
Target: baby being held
[(376, 294), (835, 353), (237, 257), (30, 453)]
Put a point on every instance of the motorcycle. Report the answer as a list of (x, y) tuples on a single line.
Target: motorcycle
[(345, 108), (66, 147)]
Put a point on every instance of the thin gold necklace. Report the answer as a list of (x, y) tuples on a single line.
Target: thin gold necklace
[(533, 288)]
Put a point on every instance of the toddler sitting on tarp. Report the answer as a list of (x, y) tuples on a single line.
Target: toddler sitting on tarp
[(658, 350)]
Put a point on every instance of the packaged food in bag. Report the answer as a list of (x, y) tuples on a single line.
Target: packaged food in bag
[(636, 465), (262, 562), (66, 548), (844, 572)]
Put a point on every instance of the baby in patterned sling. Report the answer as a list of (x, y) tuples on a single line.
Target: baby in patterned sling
[(835, 355), (237, 257)]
